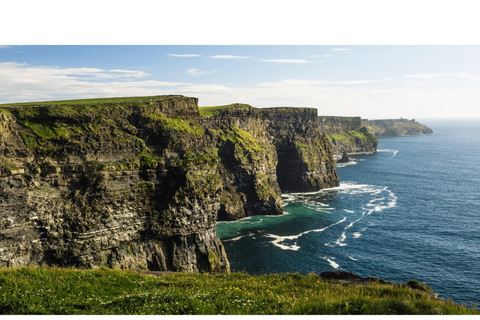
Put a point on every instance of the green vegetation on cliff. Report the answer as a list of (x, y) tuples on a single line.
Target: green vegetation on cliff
[(90, 101), (351, 136), (213, 111), (33, 290)]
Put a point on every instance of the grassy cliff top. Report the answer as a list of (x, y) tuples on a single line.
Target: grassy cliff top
[(214, 110), (93, 101), (33, 290)]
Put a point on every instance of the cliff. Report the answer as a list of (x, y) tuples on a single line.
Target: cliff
[(396, 127), (138, 183), (347, 134)]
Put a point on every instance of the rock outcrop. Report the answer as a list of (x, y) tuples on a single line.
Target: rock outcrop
[(298, 152), (348, 134), (396, 127), (140, 183)]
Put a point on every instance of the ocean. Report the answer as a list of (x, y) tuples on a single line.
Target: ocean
[(409, 211)]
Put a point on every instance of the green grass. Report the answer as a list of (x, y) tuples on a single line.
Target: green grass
[(177, 124), (351, 135), (89, 101), (33, 290), (212, 111), (240, 138)]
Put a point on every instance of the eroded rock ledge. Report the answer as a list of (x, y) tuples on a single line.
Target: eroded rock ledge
[(140, 183)]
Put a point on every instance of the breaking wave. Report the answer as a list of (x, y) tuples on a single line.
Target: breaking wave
[(394, 152)]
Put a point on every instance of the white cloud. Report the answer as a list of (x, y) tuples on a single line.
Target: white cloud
[(226, 56), (316, 82), (22, 82), (189, 55), (286, 60), (340, 49), (5, 47), (430, 76), (326, 55), (195, 72)]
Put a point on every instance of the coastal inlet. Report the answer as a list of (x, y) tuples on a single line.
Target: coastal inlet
[(408, 211)]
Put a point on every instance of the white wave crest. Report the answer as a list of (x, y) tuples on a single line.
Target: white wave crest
[(344, 164), (239, 237), (340, 241), (332, 263), (352, 258), (394, 152), (279, 240)]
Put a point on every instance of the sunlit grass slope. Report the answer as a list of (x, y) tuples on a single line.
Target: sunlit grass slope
[(33, 290)]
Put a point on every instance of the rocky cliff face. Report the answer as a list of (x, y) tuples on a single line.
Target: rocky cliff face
[(347, 134), (128, 185), (139, 184), (396, 127), (285, 152)]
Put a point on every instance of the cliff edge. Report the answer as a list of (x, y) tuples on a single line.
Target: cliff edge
[(139, 183), (348, 135)]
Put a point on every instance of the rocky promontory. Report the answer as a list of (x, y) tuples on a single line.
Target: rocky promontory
[(396, 127), (348, 135), (139, 183)]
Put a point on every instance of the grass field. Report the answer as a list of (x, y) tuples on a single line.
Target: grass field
[(88, 101), (34, 290)]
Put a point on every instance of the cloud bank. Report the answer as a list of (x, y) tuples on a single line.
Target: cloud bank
[(369, 98)]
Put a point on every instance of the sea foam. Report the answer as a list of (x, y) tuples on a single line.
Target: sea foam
[(279, 240)]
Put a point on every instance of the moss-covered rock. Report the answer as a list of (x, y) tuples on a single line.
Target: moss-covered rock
[(348, 134)]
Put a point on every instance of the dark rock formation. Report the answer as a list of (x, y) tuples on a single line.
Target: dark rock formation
[(299, 154), (140, 183), (396, 127), (345, 157), (347, 134), (127, 185), (350, 277)]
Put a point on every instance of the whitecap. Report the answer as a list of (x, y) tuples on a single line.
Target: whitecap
[(332, 263), (278, 242), (344, 164), (356, 234), (352, 223), (394, 152), (240, 237), (340, 241), (349, 211), (352, 258)]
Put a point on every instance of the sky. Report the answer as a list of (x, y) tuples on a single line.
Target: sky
[(374, 82)]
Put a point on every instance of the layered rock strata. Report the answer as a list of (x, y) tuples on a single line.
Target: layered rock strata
[(127, 185), (348, 134), (140, 184)]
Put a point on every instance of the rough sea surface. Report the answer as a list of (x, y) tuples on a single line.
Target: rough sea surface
[(409, 211)]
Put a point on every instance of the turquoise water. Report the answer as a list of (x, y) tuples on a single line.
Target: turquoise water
[(409, 211)]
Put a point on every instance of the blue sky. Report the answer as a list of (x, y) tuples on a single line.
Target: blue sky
[(369, 81)]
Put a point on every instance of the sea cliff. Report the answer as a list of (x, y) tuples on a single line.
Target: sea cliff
[(139, 183), (347, 135), (396, 127)]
